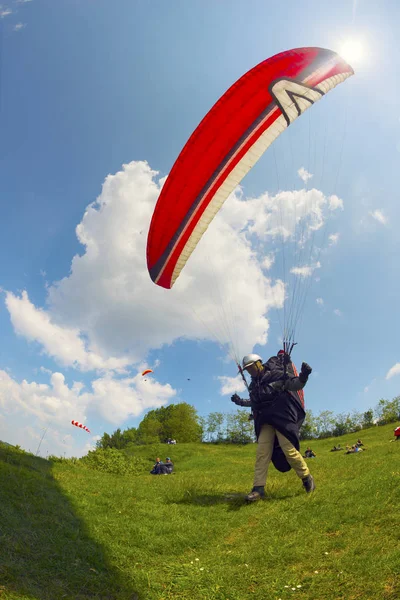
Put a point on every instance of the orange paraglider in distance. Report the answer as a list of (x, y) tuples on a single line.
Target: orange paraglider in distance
[(147, 371)]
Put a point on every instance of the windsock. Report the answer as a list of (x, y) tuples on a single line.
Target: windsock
[(81, 425)]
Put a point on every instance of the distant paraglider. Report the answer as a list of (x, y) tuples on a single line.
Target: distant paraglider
[(146, 371), (80, 425)]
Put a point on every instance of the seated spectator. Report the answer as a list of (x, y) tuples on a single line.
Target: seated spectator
[(309, 453), (157, 468), (336, 448), (359, 443), (168, 467), (354, 449)]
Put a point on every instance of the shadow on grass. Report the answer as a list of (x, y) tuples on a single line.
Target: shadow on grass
[(233, 500), (46, 552)]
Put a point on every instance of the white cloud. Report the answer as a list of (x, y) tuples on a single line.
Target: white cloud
[(5, 12), (116, 399), (306, 270), (268, 262), (320, 301), (378, 216), (54, 405), (304, 174), (107, 314), (18, 27), (333, 238), (395, 370), (230, 385), (335, 202), (65, 344), (291, 216), (337, 312), (109, 307)]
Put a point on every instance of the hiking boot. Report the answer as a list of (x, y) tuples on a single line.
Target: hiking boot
[(308, 483), (256, 494)]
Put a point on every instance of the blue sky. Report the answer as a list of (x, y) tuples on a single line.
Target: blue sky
[(87, 87)]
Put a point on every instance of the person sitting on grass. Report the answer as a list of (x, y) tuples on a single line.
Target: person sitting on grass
[(157, 468), (309, 453), (359, 443), (354, 449), (168, 467), (337, 448)]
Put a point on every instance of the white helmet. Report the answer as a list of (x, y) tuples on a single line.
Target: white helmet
[(250, 359)]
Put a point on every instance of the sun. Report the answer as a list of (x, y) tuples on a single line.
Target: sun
[(352, 51)]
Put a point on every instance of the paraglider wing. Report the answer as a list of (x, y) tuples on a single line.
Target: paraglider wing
[(227, 143), (147, 371)]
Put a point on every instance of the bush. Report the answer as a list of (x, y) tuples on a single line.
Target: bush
[(110, 460), (61, 459)]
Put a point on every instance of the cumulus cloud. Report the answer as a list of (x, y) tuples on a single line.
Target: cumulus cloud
[(230, 385), (379, 216), (106, 315), (335, 202), (395, 370), (337, 312), (320, 301), (291, 216), (54, 405), (108, 306), (65, 344), (19, 26)]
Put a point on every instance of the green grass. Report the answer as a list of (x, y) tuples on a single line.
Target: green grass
[(75, 533)]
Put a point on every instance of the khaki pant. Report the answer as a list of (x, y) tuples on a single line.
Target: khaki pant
[(265, 447)]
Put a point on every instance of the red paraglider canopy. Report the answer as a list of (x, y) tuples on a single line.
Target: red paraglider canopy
[(146, 371), (227, 143)]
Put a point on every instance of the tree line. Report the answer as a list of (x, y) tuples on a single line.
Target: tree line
[(182, 422)]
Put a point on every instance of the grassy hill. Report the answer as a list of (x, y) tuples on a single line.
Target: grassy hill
[(69, 532)]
